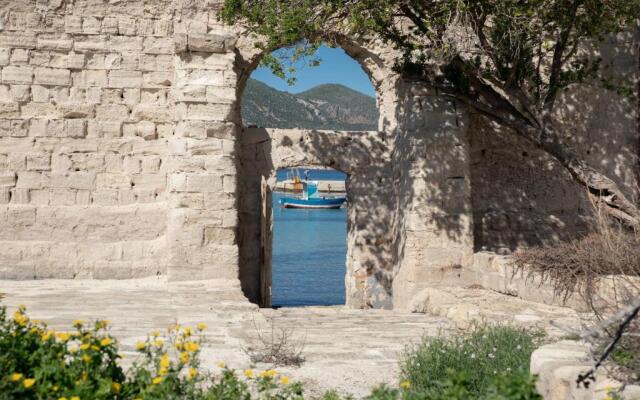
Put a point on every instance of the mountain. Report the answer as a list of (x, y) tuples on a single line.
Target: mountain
[(331, 107)]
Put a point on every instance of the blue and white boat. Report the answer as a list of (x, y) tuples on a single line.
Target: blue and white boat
[(311, 199)]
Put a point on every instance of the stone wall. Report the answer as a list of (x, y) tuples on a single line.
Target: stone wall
[(122, 155)]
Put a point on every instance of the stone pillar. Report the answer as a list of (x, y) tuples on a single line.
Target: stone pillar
[(202, 215), (435, 215)]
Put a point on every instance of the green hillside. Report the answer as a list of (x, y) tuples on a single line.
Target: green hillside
[(331, 107)]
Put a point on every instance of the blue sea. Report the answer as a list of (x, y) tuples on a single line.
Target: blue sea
[(309, 251)]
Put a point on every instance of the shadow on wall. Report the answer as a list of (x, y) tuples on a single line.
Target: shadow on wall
[(523, 197)]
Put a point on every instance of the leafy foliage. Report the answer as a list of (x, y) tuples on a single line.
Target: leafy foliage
[(482, 360), (39, 363)]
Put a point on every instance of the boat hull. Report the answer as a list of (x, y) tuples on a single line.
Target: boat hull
[(316, 203)]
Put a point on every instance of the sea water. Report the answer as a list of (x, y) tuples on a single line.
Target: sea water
[(309, 251)]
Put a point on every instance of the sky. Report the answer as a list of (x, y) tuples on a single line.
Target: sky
[(336, 67)]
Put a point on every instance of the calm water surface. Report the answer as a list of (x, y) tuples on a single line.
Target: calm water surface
[(309, 252)]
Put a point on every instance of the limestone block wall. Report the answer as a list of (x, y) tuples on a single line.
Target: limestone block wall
[(431, 167), (85, 114), (521, 196)]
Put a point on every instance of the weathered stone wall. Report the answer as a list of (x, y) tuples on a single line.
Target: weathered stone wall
[(122, 155), (521, 196), (85, 114)]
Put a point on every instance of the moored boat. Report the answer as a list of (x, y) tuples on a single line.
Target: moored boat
[(311, 200)]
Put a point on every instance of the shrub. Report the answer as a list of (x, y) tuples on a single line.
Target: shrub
[(39, 363), (472, 364), (603, 269)]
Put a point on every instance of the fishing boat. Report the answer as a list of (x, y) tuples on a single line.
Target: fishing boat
[(311, 199)]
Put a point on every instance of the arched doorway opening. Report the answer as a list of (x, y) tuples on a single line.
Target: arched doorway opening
[(315, 123)]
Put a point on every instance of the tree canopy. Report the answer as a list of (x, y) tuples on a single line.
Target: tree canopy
[(507, 59)]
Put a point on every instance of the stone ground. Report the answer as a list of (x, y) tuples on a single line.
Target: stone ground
[(348, 350)]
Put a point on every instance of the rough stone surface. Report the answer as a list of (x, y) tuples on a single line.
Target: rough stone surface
[(371, 341), (558, 366), (465, 307)]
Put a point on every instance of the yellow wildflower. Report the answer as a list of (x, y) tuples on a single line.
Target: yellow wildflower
[(179, 346), (75, 398), (115, 387), (155, 333), (405, 384), (184, 357), (102, 324), (191, 346), (73, 350), (62, 398), (86, 358), (20, 318), (63, 336), (27, 383), (284, 380), (55, 388), (106, 341), (187, 331), (94, 347), (78, 323), (193, 373), (157, 380), (159, 342), (270, 373), (46, 335), (34, 330), (165, 361), (85, 346), (201, 326), (141, 346), (16, 376), (221, 364), (248, 373)]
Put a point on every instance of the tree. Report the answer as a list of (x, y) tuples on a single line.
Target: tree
[(506, 59)]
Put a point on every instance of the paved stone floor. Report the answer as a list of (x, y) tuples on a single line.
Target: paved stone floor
[(347, 350)]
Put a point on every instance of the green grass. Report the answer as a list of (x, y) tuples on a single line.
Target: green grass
[(480, 358)]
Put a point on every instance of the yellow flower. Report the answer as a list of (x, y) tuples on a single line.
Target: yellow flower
[(75, 398), (63, 336), (85, 346), (106, 341), (179, 346), (62, 398), (73, 350), (16, 376), (115, 387), (94, 347), (78, 323), (86, 358), (159, 342), (187, 331), (191, 346), (284, 380), (55, 388), (268, 373), (141, 346), (165, 361), (201, 326), (27, 383), (248, 373), (155, 333), (221, 364), (193, 373), (34, 330), (102, 324), (184, 357), (20, 318), (46, 335), (405, 384), (157, 380)]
